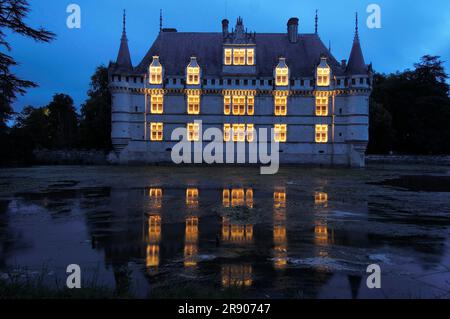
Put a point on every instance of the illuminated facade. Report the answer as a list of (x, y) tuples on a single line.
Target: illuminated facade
[(240, 82)]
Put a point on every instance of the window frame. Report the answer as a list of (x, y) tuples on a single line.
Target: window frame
[(156, 131)]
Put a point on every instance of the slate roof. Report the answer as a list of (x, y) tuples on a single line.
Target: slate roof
[(175, 49), (356, 64)]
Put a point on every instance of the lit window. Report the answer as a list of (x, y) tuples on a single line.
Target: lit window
[(250, 133), (280, 105), (250, 105), (155, 71), (157, 101), (239, 56), (193, 104), (226, 198), (279, 199), (156, 131), (280, 133), (322, 106), (226, 132), (238, 105), (320, 198), (193, 72), (193, 132), (156, 197), (323, 76), (237, 197), (282, 73), (249, 198), (250, 56), (238, 132), (228, 53), (227, 105), (321, 133)]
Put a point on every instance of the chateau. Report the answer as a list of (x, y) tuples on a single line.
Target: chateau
[(242, 81)]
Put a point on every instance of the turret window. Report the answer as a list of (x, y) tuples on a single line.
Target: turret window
[(321, 133), (280, 105), (322, 106), (156, 131), (280, 134), (323, 73), (193, 104), (157, 102)]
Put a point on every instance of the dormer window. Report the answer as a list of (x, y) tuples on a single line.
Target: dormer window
[(239, 56), (323, 73), (155, 71), (193, 72), (282, 73)]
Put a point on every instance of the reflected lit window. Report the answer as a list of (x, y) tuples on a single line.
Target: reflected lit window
[(156, 197), (154, 229), (320, 198), (237, 275), (279, 199), (192, 197)]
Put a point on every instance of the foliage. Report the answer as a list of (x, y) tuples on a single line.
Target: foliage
[(410, 111)]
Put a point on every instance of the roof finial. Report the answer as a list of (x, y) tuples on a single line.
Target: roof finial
[(160, 20), (317, 22), (124, 21), (356, 27)]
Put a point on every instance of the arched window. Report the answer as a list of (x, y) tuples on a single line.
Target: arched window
[(282, 73), (155, 71), (193, 72)]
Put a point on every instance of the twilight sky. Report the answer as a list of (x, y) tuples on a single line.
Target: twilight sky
[(409, 30)]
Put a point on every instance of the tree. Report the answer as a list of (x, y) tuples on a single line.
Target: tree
[(417, 103), (12, 16), (62, 122), (95, 124)]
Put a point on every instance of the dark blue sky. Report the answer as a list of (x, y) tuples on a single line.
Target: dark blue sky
[(409, 30)]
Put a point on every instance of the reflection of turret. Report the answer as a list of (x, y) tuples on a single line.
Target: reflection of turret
[(239, 197), (237, 275), (321, 199), (154, 238), (279, 228), (191, 242), (236, 233), (155, 195)]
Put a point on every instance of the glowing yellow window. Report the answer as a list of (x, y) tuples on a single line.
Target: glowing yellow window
[(322, 106), (238, 132), (226, 198), (321, 133), (279, 199), (237, 197), (193, 104), (280, 105), (226, 132), (155, 193), (192, 196), (249, 198), (323, 76), (157, 104), (193, 75), (156, 131), (239, 56), (250, 133), (193, 132), (154, 228), (320, 198), (227, 105), (227, 56), (155, 71), (250, 105), (238, 105), (250, 56), (280, 133)]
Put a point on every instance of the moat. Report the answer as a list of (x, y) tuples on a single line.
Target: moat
[(303, 233)]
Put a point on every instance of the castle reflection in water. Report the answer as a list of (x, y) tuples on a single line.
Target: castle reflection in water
[(234, 232)]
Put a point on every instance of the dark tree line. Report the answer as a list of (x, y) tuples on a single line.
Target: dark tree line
[(410, 111)]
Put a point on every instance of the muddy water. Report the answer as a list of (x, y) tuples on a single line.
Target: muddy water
[(304, 233)]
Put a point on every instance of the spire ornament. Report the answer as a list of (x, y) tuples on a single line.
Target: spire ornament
[(316, 25)]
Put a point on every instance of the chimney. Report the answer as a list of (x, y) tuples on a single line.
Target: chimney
[(225, 23), (344, 63), (292, 29)]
